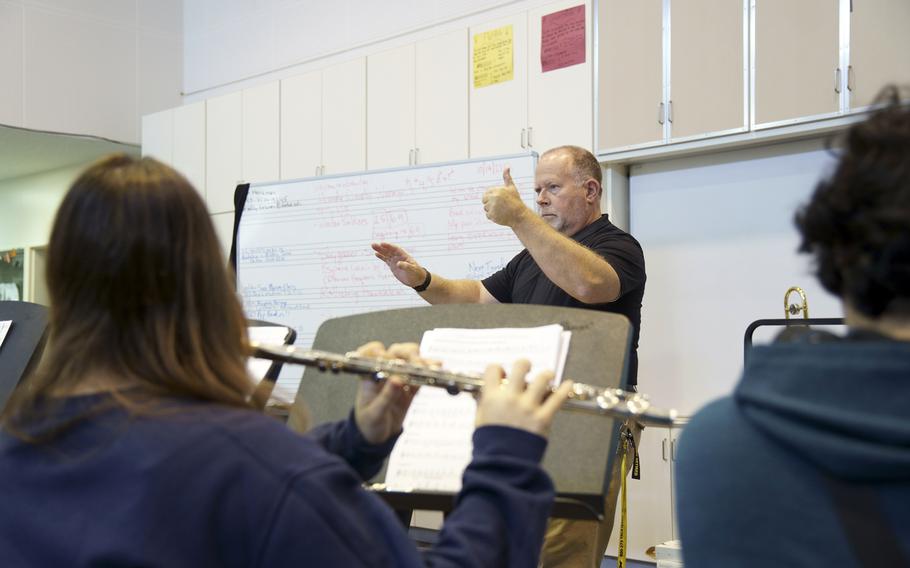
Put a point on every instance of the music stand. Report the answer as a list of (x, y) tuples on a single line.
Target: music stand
[(24, 344), (782, 322), (582, 447), (271, 375)]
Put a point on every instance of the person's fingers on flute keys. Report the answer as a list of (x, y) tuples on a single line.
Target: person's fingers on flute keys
[(539, 388), (520, 369), (554, 402), (374, 349)]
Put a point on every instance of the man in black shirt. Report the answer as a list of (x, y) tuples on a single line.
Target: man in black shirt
[(574, 256)]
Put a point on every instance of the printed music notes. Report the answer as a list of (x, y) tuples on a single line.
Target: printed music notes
[(435, 446)]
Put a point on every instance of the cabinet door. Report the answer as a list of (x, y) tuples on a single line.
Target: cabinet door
[(442, 83), (648, 500), (260, 133), (223, 154), (189, 143), (630, 82), (560, 107), (301, 125), (708, 62), (499, 111), (343, 117), (796, 60), (879, 48), (158, 136), (390, 108)]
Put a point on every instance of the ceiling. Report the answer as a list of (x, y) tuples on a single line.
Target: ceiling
[(24, 152)]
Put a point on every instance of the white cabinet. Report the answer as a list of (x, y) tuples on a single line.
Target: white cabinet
[(499, 112), (535, 109), (343, 117), (189, 144), (708, 69), (796, 68), (158, 136), (259, 149), (631, 78), (441, 98), (417, 103), (879, 44), (390, 108), (177, 137), (671, 71), (323, 121), (560, 102), (224, 153), (301, 125)]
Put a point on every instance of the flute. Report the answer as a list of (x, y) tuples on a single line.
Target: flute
[(614, 403)]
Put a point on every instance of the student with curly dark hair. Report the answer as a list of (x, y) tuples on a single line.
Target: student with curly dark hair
[(138, 442), (808, 462)]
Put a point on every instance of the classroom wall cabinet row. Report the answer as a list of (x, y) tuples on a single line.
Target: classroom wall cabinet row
[(678, 70), (409, 105)]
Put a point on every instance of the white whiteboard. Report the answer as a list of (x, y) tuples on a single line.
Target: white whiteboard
[(303, 246)]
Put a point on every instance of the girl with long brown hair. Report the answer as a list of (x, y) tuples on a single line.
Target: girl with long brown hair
[(138, 442)]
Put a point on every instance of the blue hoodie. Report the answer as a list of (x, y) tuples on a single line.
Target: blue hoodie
[(213, 486), (752, 469)]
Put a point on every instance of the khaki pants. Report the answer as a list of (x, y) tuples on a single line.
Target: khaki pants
[(581, 544)]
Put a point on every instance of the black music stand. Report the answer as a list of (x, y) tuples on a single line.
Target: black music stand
[(275, 368), (271, 375), (24, 343), (582, 447), (786, 323)]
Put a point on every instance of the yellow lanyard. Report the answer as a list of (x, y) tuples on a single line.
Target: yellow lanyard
[(621, 553)]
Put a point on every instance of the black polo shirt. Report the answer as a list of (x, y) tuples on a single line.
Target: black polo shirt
[(522, 281)]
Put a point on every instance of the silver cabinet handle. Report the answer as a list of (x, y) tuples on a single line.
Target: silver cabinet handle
[(673, 449), (530, 137), (851, 78), (322, 170), (411, 157), (670, 112), (524, 136), (660, 113), (663, 449), (416, 156), (316, 173), (837, 80)]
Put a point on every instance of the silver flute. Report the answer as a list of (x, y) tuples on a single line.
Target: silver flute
[(614, 403)]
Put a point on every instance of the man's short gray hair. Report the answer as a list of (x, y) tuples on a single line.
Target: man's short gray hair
[(584, 164)]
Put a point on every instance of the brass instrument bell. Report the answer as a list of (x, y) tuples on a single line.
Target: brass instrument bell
[(793, 309)]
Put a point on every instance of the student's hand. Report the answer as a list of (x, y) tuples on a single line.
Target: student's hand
[(402, 265), (503, 205), (516, 405), (380, 408)]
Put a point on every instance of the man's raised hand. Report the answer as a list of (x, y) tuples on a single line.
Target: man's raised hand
[(402, 265), (503, 205)]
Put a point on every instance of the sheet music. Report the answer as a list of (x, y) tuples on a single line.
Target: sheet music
[(257, 368), (4, 328), (436, 444)]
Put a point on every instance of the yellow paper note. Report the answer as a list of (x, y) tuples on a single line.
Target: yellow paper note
[(493, 57)]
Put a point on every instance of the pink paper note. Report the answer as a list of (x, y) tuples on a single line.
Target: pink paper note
[(562, 39)]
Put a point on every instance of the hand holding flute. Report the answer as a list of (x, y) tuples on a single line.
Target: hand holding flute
[(380, 407)]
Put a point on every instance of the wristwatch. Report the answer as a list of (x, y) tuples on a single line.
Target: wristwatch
[(425, 284)]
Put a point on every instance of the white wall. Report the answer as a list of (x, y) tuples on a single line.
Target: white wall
[(29, 204), (231, 45), (89, 67), (720, 250)]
